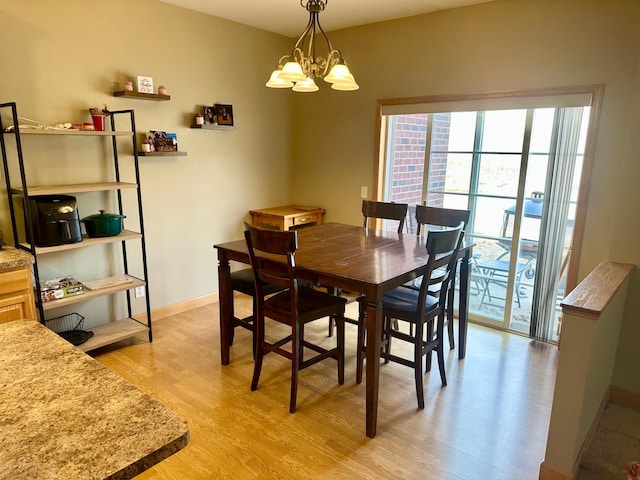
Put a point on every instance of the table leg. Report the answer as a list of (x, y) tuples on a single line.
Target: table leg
[(463, 307), (225, 301), (374, 331)]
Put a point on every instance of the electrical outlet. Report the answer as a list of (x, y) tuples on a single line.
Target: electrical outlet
[(140, 291), (364, 192)]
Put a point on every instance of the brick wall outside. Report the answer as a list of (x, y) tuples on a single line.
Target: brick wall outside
[(409, 153), (439, 142), (408, 165)]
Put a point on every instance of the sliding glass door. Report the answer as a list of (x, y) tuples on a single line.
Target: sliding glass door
[(504, 166)]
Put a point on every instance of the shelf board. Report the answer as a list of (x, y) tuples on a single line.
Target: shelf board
[(145, 96), (86, 242), (112, 332), (208, 126), (90, 294), (82, 133), (74, 188), (162, 154)]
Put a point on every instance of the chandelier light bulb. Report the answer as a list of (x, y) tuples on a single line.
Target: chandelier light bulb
[(338, 73), (347, 85), (276, 82), (292, 71), (307, 85)]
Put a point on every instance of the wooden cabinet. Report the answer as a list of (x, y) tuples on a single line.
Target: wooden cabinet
[(287, 217), (16, 295), (112, 191)]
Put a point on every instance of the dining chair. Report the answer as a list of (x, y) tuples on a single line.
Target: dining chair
[(384, 211), (272, 257), (421, 309), (371, 210), (426, 216)]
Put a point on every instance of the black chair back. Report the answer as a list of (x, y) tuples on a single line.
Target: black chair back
[(442, 247), (444, 217), (386, 211)]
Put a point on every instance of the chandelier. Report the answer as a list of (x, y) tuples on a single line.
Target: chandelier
[(303, 67)]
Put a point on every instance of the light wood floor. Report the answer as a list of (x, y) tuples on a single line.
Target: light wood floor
[(490, 422)]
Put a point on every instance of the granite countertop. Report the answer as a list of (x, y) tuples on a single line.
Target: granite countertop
[(11, 257), (64, 415)]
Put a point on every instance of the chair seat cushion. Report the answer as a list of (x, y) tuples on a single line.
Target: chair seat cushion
[(406, 300), (242, 281), (312, 304)]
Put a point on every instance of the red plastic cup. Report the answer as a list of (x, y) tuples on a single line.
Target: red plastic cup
[(98, 122)]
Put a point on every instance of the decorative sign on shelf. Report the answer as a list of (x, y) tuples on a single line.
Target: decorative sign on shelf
[(145, 84)]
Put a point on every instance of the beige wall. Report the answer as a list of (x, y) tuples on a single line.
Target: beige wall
[(60, 57), (501, 45)]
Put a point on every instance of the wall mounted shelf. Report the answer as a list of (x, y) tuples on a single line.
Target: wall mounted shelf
[(144, 96), (70, 131), (162, 154), (213, 127)]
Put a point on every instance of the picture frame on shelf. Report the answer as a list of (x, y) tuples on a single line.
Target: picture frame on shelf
[(209, 114), (151, 140), (163, 141), (144, 84), (165, 145), (224, 114)]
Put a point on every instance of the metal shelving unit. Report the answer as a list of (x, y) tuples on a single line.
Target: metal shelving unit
[(21, 191)]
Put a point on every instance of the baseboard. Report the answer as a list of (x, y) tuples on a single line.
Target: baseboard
[(177, 308), (547, 472), (626, 398)]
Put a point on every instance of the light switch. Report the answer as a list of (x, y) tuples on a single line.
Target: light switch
[(364, 192)]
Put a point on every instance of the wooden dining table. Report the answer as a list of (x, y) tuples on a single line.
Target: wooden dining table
[(351, 258)]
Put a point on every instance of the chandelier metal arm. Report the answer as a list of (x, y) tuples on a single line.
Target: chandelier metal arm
[(312, 65)]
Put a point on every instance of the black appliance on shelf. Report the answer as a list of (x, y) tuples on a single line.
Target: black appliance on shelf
[(55, 220)]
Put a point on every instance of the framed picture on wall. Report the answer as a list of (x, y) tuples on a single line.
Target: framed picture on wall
[(224, 114)]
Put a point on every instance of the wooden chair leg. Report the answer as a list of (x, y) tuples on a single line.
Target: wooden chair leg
[(440, 352), (450, 333), (417, 360), (296, 359), (360, 348), (332, 291), (386, 336), (254, 331), (340, 344), (331, 324), (258, 326), (429, 339)]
